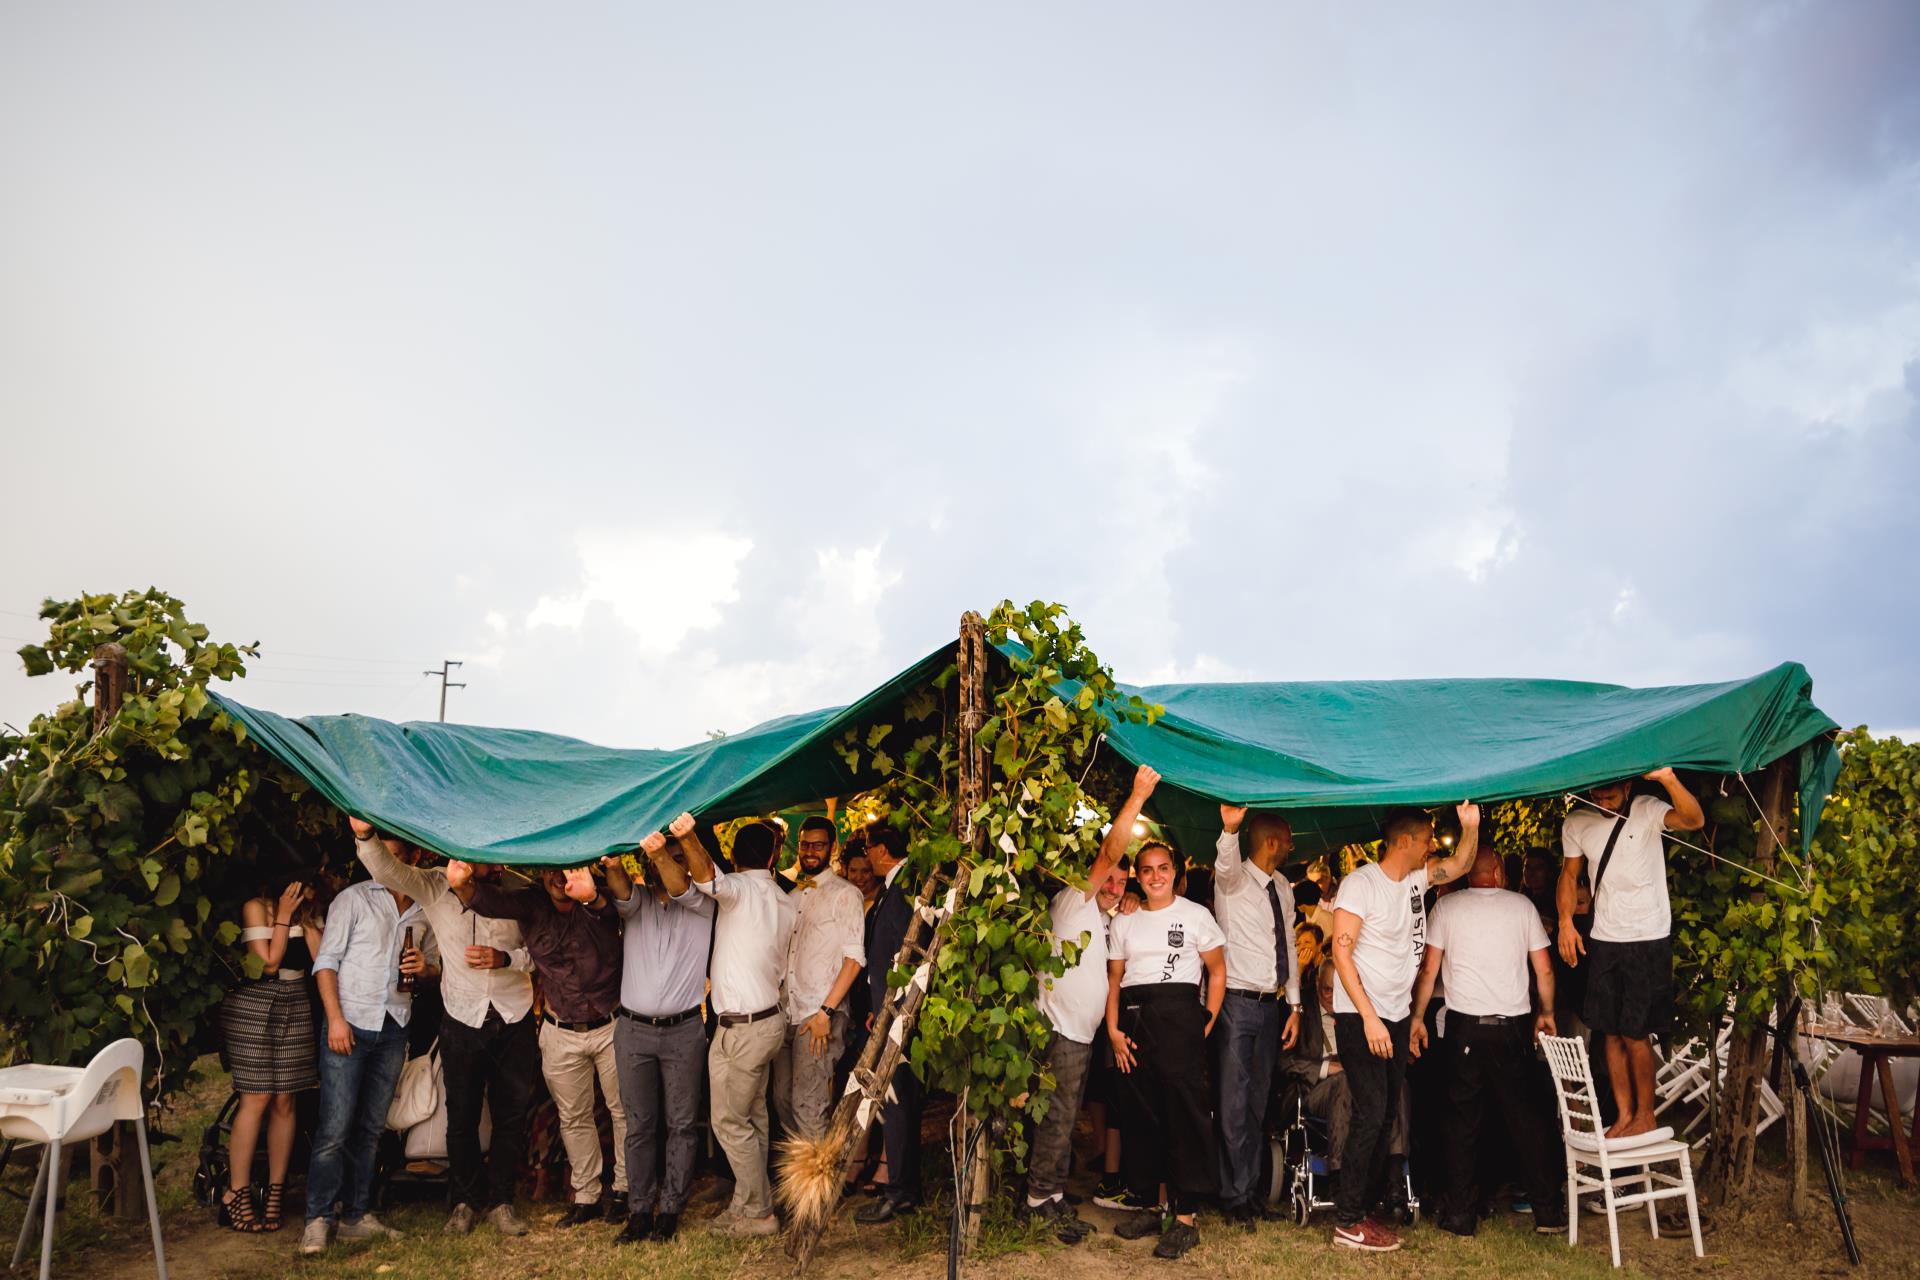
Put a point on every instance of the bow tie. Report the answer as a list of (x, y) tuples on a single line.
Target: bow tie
[(804, 882)]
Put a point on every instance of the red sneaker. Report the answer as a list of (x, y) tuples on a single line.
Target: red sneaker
[(1367, 1236)]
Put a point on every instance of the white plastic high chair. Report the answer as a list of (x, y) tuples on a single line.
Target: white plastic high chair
[(64, 1106), (1624, 1163)]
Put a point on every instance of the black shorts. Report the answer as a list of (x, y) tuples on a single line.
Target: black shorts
[(1629, 987)]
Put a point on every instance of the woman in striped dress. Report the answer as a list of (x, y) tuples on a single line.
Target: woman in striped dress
[(268, 1027)]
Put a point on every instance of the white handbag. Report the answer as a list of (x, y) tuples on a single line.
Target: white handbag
[(419, 1093)]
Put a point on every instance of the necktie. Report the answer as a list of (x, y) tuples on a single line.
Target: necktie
[(1281, 941)]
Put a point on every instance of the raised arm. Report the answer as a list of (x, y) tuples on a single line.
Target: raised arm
[(1686, 814), (699, 864), (1460, 861), (673, 877), (619, 883), (1229, 865), (1120, 834), (389, 871), (277, 919)]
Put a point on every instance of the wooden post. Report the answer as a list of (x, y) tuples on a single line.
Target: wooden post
[(116, 1184), (972, 793)]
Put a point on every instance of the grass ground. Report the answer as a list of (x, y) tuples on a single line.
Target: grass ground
[(1752, 1242)]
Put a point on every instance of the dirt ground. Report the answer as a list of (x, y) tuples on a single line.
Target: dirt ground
[(1753, 1240)]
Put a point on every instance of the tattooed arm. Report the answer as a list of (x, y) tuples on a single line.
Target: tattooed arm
[(1460, 861)]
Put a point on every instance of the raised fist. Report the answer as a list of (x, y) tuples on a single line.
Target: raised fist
[(1231, 816), (1469, 815), (652, 844), (580, 886), (681, 826), (458, 873), (361, 829), (1145, 779)]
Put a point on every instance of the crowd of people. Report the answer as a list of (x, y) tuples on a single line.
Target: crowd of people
[(1402, 1000)]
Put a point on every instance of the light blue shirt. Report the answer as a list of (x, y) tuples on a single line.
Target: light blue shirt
[(666, 951), (361, 943)]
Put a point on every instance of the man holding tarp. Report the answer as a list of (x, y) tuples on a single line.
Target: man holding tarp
[(1379, 933), (1630, 959)]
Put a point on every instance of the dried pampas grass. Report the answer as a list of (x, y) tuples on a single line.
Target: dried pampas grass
[(810, 1174)]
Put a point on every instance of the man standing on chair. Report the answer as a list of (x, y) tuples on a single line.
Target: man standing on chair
[(489, 1051), (1481, 942), (751, 932), (1254, 904), (1617, 837), (900, 1119), (1379, 933)]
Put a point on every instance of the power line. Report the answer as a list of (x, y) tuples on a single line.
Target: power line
[(446, 669)]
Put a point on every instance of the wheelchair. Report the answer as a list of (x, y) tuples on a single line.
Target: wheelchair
[(1300, 1164)]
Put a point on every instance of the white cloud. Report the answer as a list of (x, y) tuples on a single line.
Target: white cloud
[(661, 586)]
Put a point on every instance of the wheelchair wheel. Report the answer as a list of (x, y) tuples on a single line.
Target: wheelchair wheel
[(1302, 1204)]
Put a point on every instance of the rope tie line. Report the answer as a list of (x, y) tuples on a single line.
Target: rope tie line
[(1806, 872), (1688, 844)]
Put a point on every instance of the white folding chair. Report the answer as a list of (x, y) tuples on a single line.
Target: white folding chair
[(1623, 1164), (63, 1106)]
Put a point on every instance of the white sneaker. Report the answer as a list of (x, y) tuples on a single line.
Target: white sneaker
[(313, 1240), (368, 1228)]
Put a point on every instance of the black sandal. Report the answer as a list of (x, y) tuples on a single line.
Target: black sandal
[(236, 1212), (270, 1211)]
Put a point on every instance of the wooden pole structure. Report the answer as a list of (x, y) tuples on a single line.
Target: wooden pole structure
[(887, 1045), (972, 794), (115, 1189)]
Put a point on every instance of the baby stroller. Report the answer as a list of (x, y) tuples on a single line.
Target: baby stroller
[(1300, 1157)]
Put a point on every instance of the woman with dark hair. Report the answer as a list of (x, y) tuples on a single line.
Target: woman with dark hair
[(267, 1026)]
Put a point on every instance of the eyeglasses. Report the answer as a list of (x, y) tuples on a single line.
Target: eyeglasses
[(815, 846)]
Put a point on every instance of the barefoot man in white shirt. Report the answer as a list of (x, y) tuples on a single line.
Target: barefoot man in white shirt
[(1618, 840)]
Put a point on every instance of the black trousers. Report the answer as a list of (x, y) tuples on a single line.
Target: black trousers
[(1374, 1084), (498, 1063), (1488, 1067), (1168, 1096), (900, 1135)]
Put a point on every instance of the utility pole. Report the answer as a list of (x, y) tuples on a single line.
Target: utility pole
[(446, 669)]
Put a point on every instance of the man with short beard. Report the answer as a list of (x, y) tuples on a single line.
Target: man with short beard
[(488, 1050), (824, 958)]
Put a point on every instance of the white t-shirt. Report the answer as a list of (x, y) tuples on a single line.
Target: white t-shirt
[(1393, 937), (1164, 945), (1076, 1001), (1486, 935), (1631, 902)]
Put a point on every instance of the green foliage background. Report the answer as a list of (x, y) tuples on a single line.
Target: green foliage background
[(124, 856)]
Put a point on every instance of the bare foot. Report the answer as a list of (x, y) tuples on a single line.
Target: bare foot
[(1638, 1123)]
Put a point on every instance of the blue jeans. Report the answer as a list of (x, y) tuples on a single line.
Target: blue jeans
[(355, 1091), (1246, 1042)]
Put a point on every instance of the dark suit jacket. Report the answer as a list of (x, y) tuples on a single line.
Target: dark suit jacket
[(892, 914)]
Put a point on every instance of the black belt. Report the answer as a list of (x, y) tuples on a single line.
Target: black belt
[(1486, 1019), (1264, 997), (741, 1019), (671, 1020), (1155, 992), (591, 1024)]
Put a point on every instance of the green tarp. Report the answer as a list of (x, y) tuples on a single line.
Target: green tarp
[(1331, 755)]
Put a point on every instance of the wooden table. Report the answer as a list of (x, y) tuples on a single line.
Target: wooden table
[(1875, 1052)]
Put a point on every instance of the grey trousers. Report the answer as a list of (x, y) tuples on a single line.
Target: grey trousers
[(1068, 1060), (803, 1080), (661, 1070), (738, 1064)]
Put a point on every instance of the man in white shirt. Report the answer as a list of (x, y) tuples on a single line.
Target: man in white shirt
[(489, 1049), (362, 955), (1158, 1027), (1618, 839), (1379, 931), (1481, 941), (823, 962), (1074, 1004), (751, 935), (1254, 904)]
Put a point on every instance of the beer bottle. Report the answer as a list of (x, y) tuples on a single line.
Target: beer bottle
[(405, 982)]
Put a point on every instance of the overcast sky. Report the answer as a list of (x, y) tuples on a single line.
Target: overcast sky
[(680, 365)]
